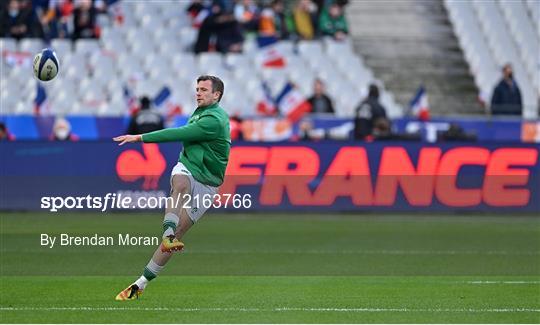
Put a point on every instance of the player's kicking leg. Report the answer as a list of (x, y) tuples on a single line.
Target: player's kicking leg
[(175, 224)]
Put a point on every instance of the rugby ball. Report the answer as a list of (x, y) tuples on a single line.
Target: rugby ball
[(46, 65)]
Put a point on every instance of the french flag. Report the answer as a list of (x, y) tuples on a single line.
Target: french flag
[(163, 102), (269, 54), (266, 105), (291, 103), (162, 98), (131, 100), (41, 104), (419, 105)]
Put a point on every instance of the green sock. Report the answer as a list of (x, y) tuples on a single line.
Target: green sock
[(148, 274), (152, 270)]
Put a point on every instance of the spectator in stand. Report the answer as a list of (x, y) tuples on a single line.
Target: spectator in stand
[(146, 120), (202, 19), (506, 99), (64, 13), (16, 19), (4, 133), (332, 22), (321, 4), (44, 15), (55, 17), (273, 21), (198, 12), (303, 18), (247, 13), (219, 31), (84, 17), (226, 5), (367, 113), (320, 102), (62, 131), (66, 23), (229, 38)]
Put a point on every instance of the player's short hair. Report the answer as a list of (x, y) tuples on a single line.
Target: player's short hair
[(217, 84)]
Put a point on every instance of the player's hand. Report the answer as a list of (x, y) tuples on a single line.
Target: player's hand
[(128, 138)]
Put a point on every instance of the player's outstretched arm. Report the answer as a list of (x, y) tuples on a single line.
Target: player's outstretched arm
[(127, 138), (204, 129)]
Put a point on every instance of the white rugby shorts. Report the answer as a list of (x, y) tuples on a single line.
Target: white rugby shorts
[(199, 193)]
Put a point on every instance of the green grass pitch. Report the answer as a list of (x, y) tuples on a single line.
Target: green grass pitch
[(267, 268)]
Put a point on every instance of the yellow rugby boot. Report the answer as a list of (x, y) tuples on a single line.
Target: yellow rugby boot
[(130, 293), (171, 244)]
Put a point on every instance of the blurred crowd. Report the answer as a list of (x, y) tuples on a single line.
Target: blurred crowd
[(49, 19), (223, 24)]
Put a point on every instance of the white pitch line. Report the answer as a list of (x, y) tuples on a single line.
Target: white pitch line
[(281, 309), (503, 282), (365, 251), (278, 251)]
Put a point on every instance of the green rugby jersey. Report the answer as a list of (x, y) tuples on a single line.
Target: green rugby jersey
[(207, 142)]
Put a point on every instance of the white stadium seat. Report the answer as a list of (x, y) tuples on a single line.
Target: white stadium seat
[(8, 100), (87, 46), (209, 60), (237, 60), (308, 48), (522, 29), (32, 45), (505, 50), (62, 47), (23, 108), (493, 33), (187, 38), (153, 49), (8, 44)]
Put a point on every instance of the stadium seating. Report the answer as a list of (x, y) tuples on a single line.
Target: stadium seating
[(152, 50), (158, 36), (493, 33)]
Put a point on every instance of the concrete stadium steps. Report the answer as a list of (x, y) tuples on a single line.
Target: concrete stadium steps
[(409, 48), (411, 43)]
